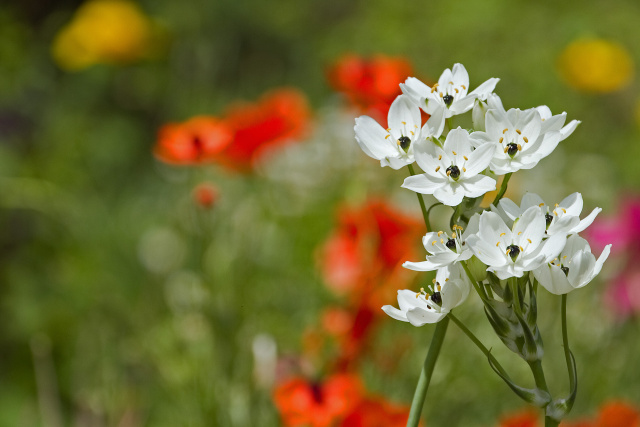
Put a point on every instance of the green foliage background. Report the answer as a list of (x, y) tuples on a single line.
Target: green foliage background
[(145, 306)]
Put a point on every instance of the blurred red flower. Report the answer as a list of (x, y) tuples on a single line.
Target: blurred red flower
[(377, 412), (279, 118), (370, 84), (618, 414), (525, 418), (197, 140), (205, 194), (302, 403), (363, 257)]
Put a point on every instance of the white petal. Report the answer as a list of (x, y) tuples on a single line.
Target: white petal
[(581, 269), (478, 185), (457, 142), (484, 90), (423, 183), (566, 131), (572, 204), (403, 114), (493, 229), (371, 138), (479, 159), (419, 317), (529, 200), (601, 259), (421, 266), (435, 124), (462, 105), (395, 162), (582, 225), (487, 253), (553, 279), (510, 209), (407, 300), (395, 313), (415, 90), (529, 229), (449, 194), (460, 76), (451, 295)]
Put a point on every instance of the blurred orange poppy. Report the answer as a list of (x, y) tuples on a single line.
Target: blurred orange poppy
[(377, 412), (618, 414), (364, 255), (198, 140), (525, 418), (370, 84), (279, 118), (205, 195), (302, 403)]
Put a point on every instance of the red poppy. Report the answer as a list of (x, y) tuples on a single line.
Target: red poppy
[(302, 403), (364, 255), (370, 84), (279, 118), (377, 412), (194, 141), (205, 195), (618, 414), (525, 418)]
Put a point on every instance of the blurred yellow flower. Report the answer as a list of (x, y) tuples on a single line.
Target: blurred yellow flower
[(596, 65), (103, 32)]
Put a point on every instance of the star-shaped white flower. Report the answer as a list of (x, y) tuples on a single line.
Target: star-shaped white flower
[(448, 97), (453, 171), (574, 268), (444, 250), (393, 146), (511, 252), (562, 218), (450, 289), (551, 122)]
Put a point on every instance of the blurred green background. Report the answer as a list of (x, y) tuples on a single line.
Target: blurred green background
[(124, 303)]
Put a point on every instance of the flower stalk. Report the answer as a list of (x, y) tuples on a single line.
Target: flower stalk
[(427, 372)]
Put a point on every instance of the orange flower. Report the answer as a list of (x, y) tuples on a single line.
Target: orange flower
[(377, 412), (364, 255), (279, 118), (618, 414), (370, 84), (525, 418), (197, 140), (302, 403), (205, 194)]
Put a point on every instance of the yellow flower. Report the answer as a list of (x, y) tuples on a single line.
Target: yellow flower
[(103, 32), (596, 65)]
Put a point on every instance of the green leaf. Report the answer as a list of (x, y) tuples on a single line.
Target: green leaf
[(534, 396)]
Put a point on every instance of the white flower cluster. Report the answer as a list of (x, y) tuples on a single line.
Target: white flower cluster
[(509, 240)]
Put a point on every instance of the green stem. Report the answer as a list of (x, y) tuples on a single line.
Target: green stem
[(477, 342), (565, 337), (427, 371), (479, 289), (538, 375), (550, 422), (425, 213), (503, 189)]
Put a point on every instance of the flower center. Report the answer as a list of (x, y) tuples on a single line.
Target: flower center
[(512, 149), (548, 218), (513, 251), (448, 100), (404, 142), (453, 172), (565, 270), (451, 244), (436, 298)]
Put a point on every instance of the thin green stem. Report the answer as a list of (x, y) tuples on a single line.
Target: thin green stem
[(565, 336), (503, 189), (479, 288), (477, 342), (425, 213), (427, 371), (538, 375)]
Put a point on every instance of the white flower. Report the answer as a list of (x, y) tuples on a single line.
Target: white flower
[(480, 108), (564, 217), (443, 250), (450, 289), (448, 97), (393, 146), (574, 268), (521, 138), (510, 253), (453, 171)]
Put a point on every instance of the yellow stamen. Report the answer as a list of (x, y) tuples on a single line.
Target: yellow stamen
[(388, 137), (440, 157), (464, 169), (529, 240), (433, 243), (505, 130), (454, 153), (502, 234), (519, 147), (497, 244), (518, 132), (457, 91), (525, 139), (541, 204), (440, 233), (501, 139), (463, 86), (465, 157), (438, 168), (519, 233), (564, 210), (404, 123)]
